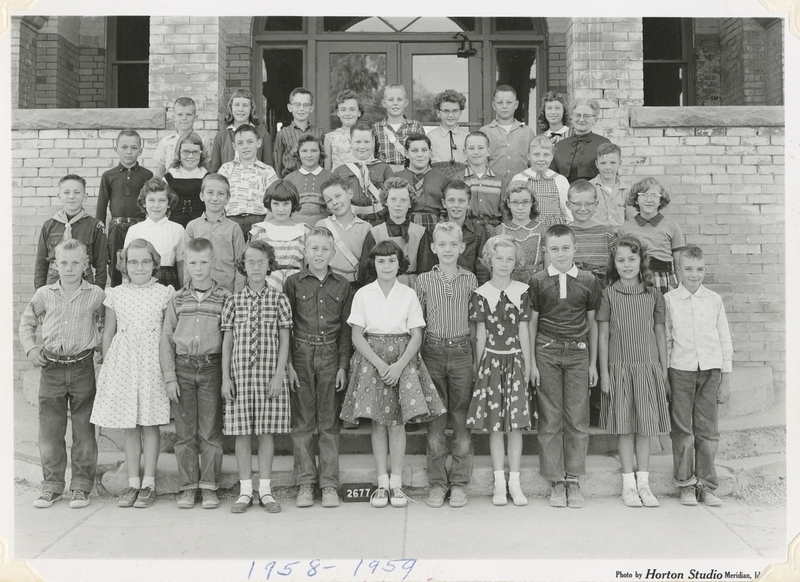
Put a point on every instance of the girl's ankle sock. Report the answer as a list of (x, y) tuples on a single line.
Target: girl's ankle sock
[(499, 479), (395, 481), (135, 482), (383, 481), (513, 478), (264, 487), (628, 481), (642, 478), (149, 482), (246, 487)]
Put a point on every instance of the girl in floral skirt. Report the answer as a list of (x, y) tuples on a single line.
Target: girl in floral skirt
[(500, 403), (389, 382)]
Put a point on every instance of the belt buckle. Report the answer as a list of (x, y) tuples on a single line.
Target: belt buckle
[(581, 345)]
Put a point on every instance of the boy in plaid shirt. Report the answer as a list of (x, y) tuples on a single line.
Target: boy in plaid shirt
[(392, 131)]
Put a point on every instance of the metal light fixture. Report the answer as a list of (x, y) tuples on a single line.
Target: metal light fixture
[(465, 50)]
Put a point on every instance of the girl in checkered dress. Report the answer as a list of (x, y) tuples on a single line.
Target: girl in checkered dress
[(256, 324), (549, 187)]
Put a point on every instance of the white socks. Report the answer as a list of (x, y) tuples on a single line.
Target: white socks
[(628, 481), (135, 482), (395, 481), (263, 487), (383, 481), (246, 487), (643, 478), (499, 495), (149, 482), (515, 489)]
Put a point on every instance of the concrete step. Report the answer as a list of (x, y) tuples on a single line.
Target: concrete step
[(603, 474)]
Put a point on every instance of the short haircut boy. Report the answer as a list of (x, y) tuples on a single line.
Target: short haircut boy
[(563, 337), (334, 181), (245, 127), (459, 185), (213, 177), (69, 332), (128, 132), (321, 366), (581, 185), (393, 86), (80, 226), (609, 148), (504, 89), (301, 91), (192, 331), (286, 140), (185, 102), (360, 126), (448, 228), (477, 134), (700, 355)]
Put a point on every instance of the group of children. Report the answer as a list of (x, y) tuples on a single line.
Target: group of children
[(263, 300)]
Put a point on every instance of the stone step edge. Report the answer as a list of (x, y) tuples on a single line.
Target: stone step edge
[(603, 474)]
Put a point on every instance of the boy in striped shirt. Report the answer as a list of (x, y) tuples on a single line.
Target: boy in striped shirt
[(592, 241), (444, 293)]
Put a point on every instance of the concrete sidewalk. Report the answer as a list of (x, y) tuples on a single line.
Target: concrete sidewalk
[(604, 529)]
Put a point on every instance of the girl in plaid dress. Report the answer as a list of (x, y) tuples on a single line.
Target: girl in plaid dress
[(256, 324), (389, 382), (549, 187)]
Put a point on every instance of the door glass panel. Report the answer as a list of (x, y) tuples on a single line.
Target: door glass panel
[(397, 24), (364, 73), (663, 84), (281, 71), (433, 74), (517, 67), (662, 38)]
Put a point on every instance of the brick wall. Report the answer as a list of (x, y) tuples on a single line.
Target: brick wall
[(92, 78), (557, 54), (42, 152), (188, 58), (754, 60), (57, 79), (706, 61), (774, 65), (605, 62), (724, 169), (24, 37), (731, 64)]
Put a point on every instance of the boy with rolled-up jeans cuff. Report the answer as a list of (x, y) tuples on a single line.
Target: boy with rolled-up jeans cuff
[(68, 312), (444, 294), (700, 354), (321, 350), (190, 354), (564, 364)]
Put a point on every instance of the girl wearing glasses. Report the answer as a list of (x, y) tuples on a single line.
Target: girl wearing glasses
[(575, 156), (167, 237), (661, 237), (256, 325), (185, 177), (131, 393), (525, 228)]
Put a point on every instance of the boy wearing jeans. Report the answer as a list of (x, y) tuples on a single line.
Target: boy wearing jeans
[(444, 294), (191, 361), (563, 364), (321, 350), (67, 312), (700, 353)]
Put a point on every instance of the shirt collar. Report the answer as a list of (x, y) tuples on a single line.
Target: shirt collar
[(162, 221), (309, 128), (629, 289), (456, 130), (514, 125), (207, 219), (533, 174), (376, 286), (470, 172), (134, 167), (314, 173), (654, 221), (573, 271), (491, 293), (257, 163), (306, 272), (469, 224), (190, 287), (459, 270), (684, 293), (250, 293), (57, 285)]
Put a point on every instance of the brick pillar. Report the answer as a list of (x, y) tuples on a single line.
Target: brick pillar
[(188, 58), (24, 35), (605, 62), (748, 67)]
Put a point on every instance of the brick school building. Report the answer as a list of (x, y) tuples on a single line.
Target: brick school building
[(696, 103)]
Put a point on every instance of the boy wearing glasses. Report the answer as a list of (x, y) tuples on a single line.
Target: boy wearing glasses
[(447, 140), (249, 179), (301, 106)]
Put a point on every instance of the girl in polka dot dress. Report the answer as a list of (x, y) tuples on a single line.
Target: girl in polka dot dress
[(131, 393), (500, 403), (389, 382)]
